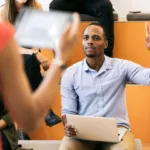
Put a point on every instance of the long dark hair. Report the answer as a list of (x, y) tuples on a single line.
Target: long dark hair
[(10, 9)]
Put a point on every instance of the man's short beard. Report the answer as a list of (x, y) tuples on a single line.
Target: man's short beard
[(90, 56)]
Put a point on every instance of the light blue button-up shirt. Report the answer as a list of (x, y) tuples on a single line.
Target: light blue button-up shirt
[(87, 92)]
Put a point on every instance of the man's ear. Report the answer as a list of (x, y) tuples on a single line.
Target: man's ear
[(106, 44)]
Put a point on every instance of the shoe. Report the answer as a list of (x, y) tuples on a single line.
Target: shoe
[(22, 136), (52, 119)]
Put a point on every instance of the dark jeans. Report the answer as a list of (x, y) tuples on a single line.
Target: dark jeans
[(101, 9), (5, 143)]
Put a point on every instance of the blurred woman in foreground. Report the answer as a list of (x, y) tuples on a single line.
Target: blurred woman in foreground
[(14, 86)]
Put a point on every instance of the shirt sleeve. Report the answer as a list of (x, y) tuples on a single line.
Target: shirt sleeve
[(68, 95), (137, 74)]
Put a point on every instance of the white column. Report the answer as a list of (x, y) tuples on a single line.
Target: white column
[(122, 7), (142, 5)]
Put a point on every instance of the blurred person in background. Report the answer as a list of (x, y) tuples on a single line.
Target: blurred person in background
[(101, 9)]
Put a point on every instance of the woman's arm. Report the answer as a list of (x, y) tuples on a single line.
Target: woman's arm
[(40, 57), (26, 108), (2, 124)]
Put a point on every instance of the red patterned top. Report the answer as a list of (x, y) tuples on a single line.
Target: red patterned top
[(6, 32)]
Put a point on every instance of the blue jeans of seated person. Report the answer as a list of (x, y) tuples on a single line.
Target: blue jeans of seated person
[(101, 9)]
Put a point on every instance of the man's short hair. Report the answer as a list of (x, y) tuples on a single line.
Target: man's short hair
[(100, 25)]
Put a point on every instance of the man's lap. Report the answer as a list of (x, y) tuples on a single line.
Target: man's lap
[(127, 143), (75, 144)]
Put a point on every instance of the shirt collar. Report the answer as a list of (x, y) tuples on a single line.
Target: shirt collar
[(107, 64)]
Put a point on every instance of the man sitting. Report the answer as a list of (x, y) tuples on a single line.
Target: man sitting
[(96, 87)]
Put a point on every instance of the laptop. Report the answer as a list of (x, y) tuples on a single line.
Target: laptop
[(40, 29), (96, 128)]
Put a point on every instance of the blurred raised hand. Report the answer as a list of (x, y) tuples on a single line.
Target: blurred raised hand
[(147, 40)]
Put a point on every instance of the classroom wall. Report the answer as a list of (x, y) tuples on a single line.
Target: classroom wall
[(124, 6)]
